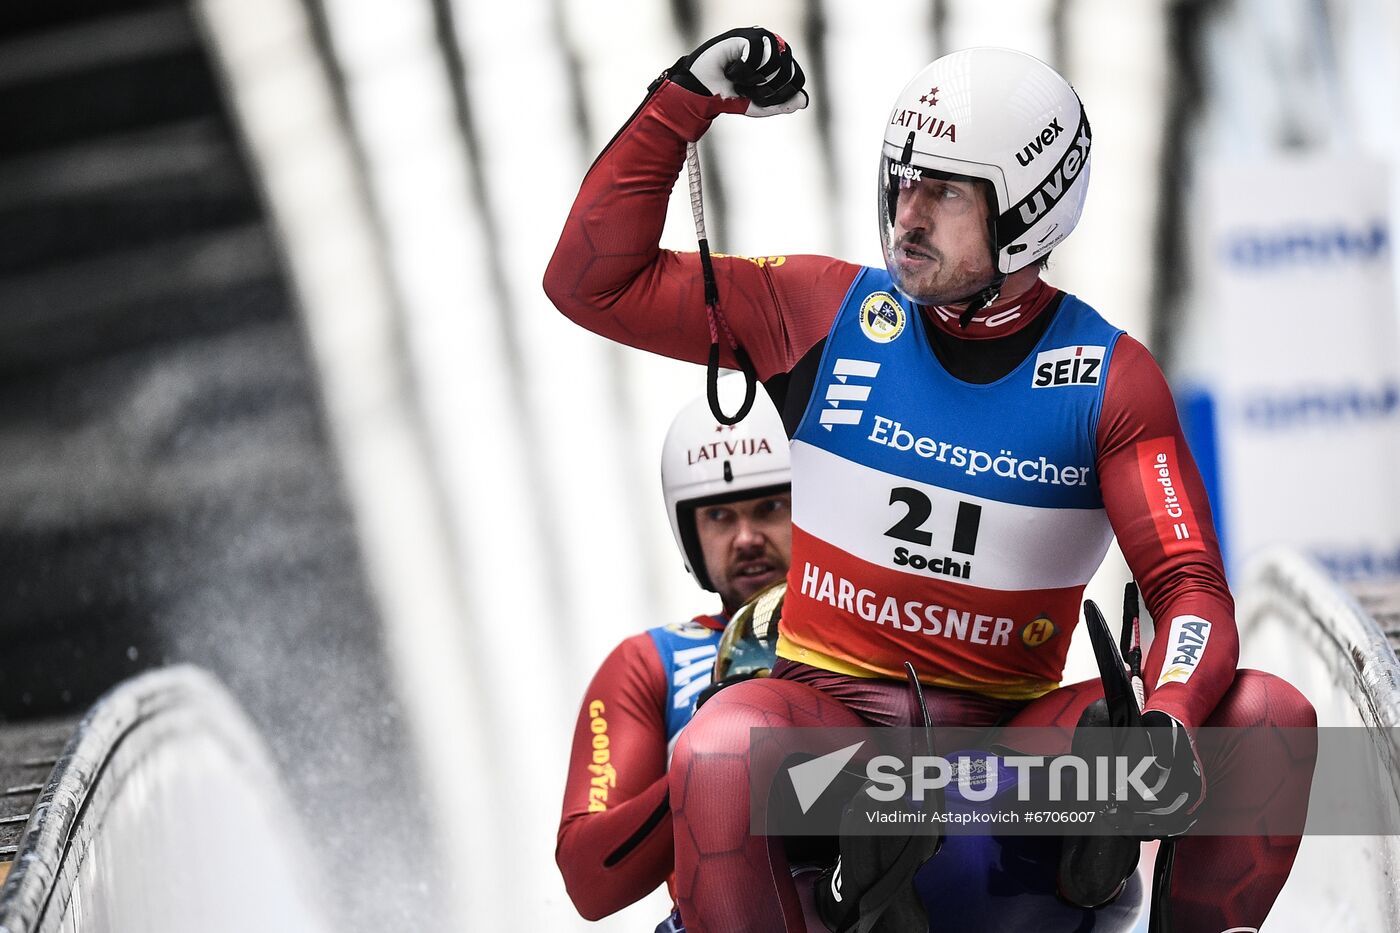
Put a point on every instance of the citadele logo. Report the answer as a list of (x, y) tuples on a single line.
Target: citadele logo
[(1160, 472), (811, 778), (843, 390)]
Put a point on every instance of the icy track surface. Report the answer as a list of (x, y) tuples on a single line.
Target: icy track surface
[(163, 814)]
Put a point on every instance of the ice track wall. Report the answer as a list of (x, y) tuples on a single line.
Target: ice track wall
[(1297, 623), (163, 815)]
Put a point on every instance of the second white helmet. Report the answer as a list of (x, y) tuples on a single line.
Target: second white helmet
[(706, 463), (1002, 116)]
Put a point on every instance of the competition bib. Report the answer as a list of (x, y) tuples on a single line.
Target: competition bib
[(950, 524)]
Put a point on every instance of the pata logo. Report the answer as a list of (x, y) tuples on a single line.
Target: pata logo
[(1186, 642)]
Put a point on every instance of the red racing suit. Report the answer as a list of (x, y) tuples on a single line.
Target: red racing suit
[(609, 275), (615, 836)]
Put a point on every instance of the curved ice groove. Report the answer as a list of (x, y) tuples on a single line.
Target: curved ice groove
[(1296, 622), (164, 813)]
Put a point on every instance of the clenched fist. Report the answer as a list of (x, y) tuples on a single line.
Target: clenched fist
[(751, 63)]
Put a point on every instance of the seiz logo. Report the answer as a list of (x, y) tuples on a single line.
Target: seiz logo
[(1034, 148), (1068, 366), (906, 172), (842, 391), (1186, 642)]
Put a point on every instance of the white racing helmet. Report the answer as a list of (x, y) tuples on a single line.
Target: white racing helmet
[(1002, 116), (706, 463)]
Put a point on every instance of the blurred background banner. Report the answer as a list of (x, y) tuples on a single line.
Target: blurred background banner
[(1303, 374)]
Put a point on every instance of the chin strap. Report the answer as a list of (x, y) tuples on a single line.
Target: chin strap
[(980, 300), (989, 294)]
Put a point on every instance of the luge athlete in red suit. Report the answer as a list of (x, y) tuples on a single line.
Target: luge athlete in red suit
[(966, 439), (728, 496)]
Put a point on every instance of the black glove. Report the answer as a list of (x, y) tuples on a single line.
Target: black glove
[(752, 63), (1174, 779)]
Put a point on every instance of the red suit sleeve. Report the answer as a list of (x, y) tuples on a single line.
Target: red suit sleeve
[(614, 845), (610, 275), (1159, 510)]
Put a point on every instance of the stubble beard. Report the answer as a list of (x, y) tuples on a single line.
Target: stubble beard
[(934, 287), (937, 284)]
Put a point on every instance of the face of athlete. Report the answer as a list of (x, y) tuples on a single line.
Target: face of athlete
[(940, 242), (746, 545)]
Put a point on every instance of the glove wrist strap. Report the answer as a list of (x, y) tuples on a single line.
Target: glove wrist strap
[(678, 74)]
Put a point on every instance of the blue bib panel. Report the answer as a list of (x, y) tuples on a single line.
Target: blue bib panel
[(944, 522), (687, 651)]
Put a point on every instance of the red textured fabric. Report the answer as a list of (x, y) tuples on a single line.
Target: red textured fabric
[(610, 792), (891, 702)]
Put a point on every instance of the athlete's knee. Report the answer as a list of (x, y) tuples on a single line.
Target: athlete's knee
[(714, 745), (1258, 698), (722, 725)]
